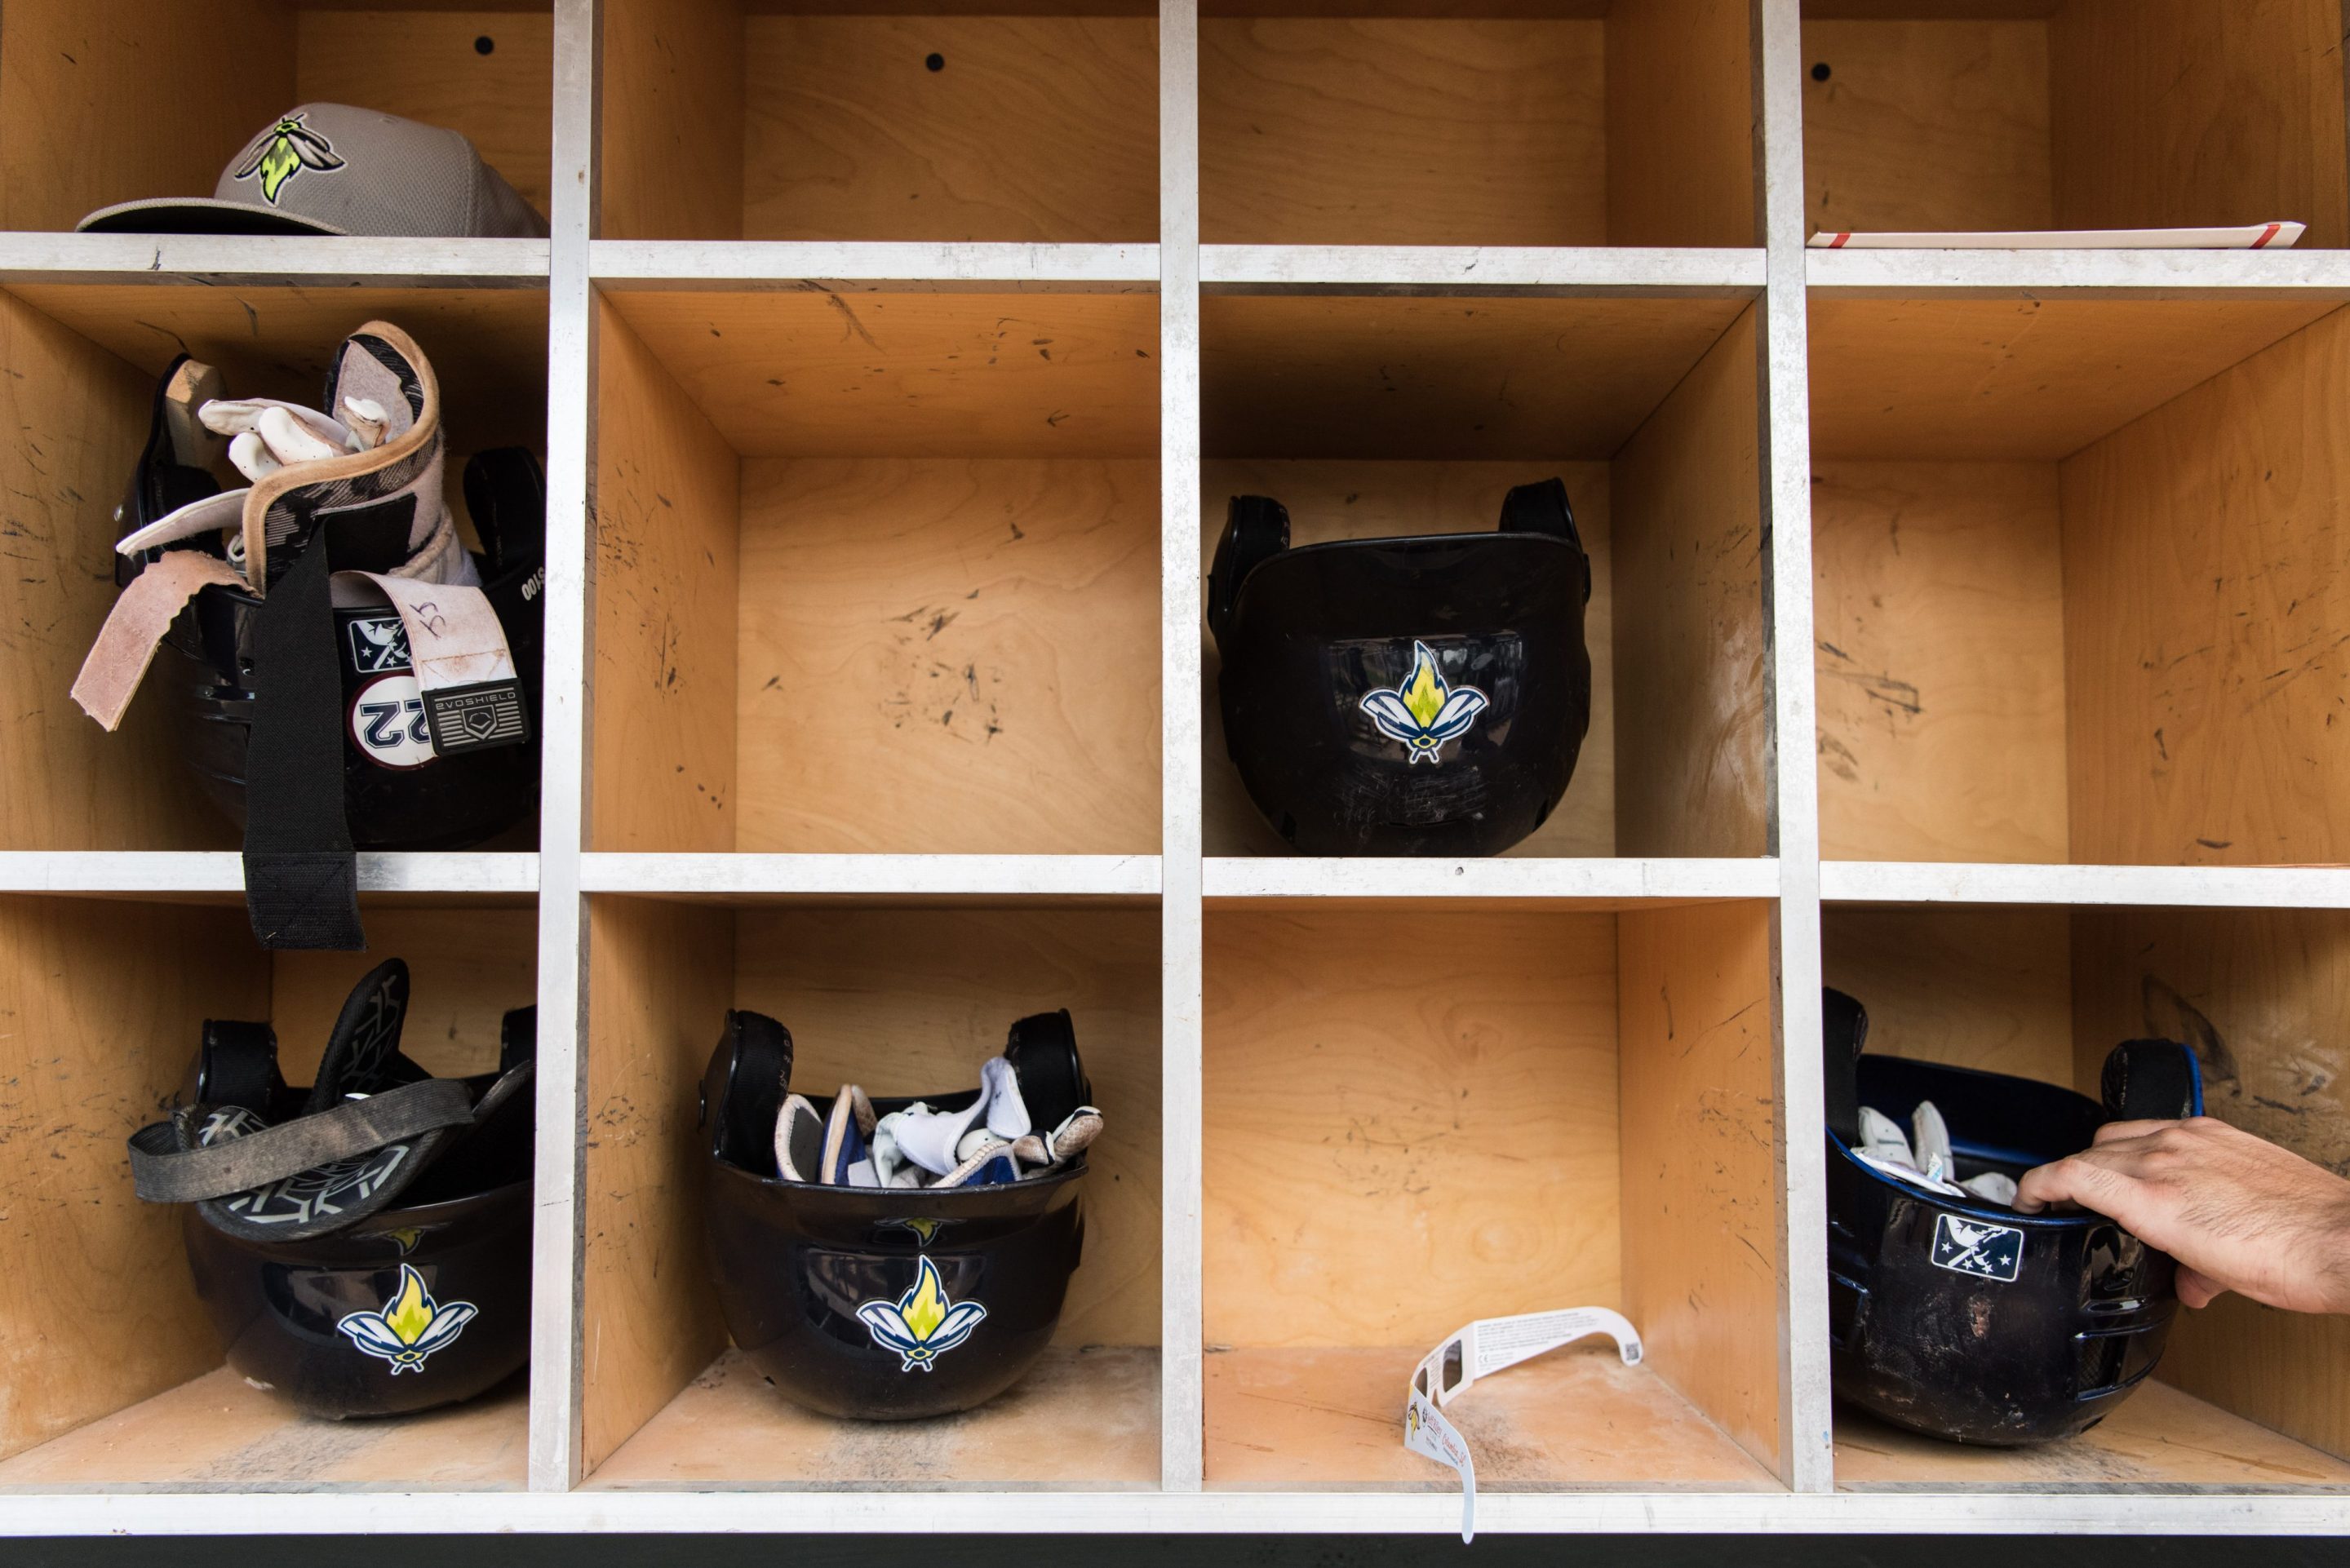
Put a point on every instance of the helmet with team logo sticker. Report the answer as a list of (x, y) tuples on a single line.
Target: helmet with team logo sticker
[(363, 1245), (281, 616), (1424, 695), (886, 1302), (1949, 1312)]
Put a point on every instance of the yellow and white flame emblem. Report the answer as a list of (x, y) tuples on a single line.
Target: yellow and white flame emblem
[(922, 1324), (411, 1325)]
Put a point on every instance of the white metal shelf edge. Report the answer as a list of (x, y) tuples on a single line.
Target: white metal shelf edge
[(1020, 875), (1478, 269), (760, 263), (2202, 886), (1435, 1511), (2030, 273), (268, 260), (222, 871), (1273, 877)]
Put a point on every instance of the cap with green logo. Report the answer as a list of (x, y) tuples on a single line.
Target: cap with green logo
[(329, 169)]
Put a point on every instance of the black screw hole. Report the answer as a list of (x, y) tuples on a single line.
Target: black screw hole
[(935, 63), (485, 45), (1820, 72)]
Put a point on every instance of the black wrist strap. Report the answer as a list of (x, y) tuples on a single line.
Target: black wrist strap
[(165, 1171), (301, 873)]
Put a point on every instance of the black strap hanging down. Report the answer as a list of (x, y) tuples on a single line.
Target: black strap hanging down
[(301, 873), (165, 1169)]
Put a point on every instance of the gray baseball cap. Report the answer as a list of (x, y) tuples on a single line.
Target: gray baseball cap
[(329, 169)]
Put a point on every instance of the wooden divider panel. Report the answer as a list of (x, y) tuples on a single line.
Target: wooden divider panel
[(1032, 128), (668, 499), (2261, 995), (101, 1006), (467, 968), (1680, 123), (948, 655), (1990, 989), (660, 977), (1408, 131), (1926, 124), (1369, 500), (2207, 571), (671, 153), (428, 66), (911, 1001), (77, 417), (1410, 1122), (84, 91), (2183, 111), (1702, 1138), (1693, 687), (1939, 617)]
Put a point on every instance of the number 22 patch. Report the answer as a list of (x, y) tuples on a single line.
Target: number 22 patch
[(388, 722)]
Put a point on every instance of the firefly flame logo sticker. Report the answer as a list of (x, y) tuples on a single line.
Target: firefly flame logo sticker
[(922, 1324), (411, 1325), (285, 151), (1422, 711)]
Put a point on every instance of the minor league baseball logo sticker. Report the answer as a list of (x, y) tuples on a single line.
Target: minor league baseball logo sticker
[(1985, 1251)]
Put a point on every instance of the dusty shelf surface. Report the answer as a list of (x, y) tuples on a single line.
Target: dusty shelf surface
[(218, 1433), (1577, 1419), (2158, 1438), (1081, 1419)]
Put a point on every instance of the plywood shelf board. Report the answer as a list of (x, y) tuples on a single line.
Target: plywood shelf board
[(1082, 1417), (218, 1433), (1302, 1417)]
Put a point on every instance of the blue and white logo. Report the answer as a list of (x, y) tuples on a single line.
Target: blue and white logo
[(1985, 1251), (1422, 711)]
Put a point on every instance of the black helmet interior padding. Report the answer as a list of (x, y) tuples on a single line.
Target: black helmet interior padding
[(1346, 665), (265, 1161), (1963, 1318)]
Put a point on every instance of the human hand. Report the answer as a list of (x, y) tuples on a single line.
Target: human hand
[(2238, 1212)]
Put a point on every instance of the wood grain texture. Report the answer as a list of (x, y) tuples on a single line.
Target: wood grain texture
[(2207, 564), (672, 128), (2260, 994), (667, 528), (2158, 1437), (1034, 128), (949, 655), (216, 1432), (467, 967), (815, 374), (1377, 131), (2017, 378), (1454, 379), (74, 78), (908, 1002), (1297, 1419), (488, 346), (1330, 501), (1990, 989), (424, 66), (2176, 113), (1680, 123), (1926, 125), (101, 1009), (1692, 689), (1703, 1137), (1080, 1418), (1938, 616), (658, 978), (1410, 1122), (76, 417)]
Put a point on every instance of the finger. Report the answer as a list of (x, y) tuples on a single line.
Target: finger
[(2198, 1289), (2120, 1132)]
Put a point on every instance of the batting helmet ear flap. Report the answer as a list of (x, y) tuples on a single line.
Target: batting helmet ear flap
[(1043, 1051), (1844, 1030), (236, 1065), (2151, 1080), (1256, 529), (743, 1088), (1543, 508)]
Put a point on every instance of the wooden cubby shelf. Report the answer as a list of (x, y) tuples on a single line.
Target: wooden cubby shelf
[(1969, 630)]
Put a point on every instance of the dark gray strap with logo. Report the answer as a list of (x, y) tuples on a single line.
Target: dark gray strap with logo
[(161, 1171)]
